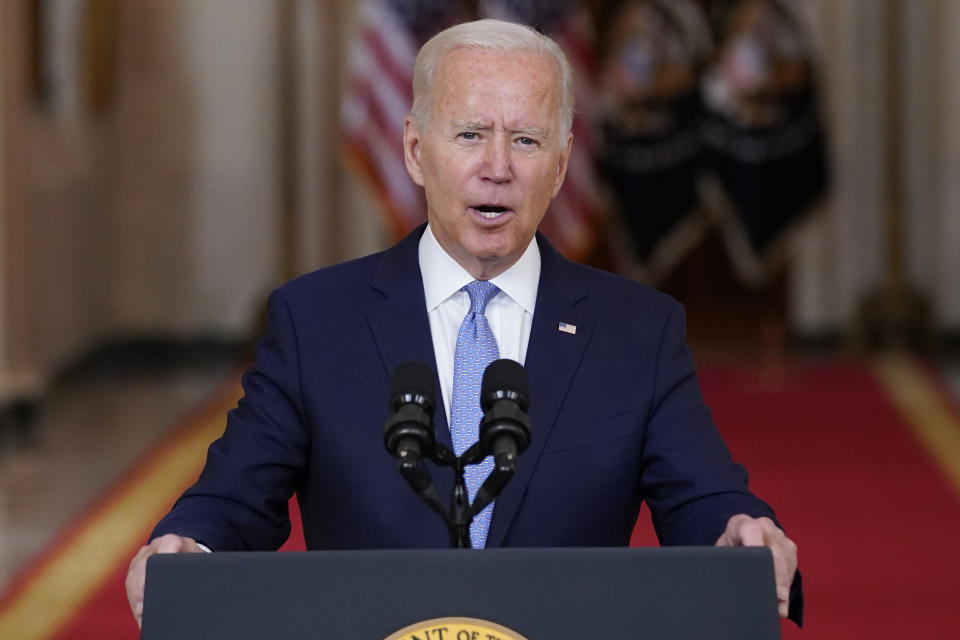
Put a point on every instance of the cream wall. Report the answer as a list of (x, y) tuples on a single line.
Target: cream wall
[(4, 363), (334, 219), (838, 257), (159, 216), (195, 170), (52, 225), (841, 256), (233, 234), (164, 215), (945, 74)]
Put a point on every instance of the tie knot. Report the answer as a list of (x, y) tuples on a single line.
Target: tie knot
[(480, 292)]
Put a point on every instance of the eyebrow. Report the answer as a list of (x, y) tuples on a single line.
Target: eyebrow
[(533, 132), (474, 125), (471, 125)]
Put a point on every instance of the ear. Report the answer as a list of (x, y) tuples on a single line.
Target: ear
[(562, 163), (411, 150)]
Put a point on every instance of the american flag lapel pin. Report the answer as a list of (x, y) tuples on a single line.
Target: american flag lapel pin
[(568, 328)]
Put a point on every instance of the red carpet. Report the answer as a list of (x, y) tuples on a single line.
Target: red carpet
[(875, 517), (876, 522)]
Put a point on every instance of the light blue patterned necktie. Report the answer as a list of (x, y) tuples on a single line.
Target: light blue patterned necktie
[(476, 348)]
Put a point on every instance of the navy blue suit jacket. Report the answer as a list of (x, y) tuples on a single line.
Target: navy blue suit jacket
[(616, 412)]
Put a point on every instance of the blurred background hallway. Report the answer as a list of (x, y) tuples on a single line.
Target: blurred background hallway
[(787, 169)]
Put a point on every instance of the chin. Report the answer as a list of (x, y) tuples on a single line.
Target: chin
[(490, 249)]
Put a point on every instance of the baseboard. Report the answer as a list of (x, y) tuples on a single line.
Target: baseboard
[(157, 353), (943, 345)]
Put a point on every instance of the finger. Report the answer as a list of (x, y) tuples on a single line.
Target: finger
[(190, 546), (785, 566), (172, 543), (725, 539), (137, 573), (782, 573), (759, 532), (731, 534), (742, 530), (136, 577), (169, 543), (784, 557)]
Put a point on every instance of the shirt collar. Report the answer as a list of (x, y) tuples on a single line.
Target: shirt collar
[(443, 276)]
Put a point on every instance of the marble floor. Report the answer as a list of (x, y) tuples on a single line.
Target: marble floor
[(93, 424)]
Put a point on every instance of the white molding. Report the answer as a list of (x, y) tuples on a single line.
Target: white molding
[(945, 76), (3, 237), (919, 140), (839, 256)]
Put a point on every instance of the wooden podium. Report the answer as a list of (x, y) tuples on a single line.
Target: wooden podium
[(675, 593)]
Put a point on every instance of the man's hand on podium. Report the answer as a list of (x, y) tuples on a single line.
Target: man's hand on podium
[(137, 574), (744, 531)]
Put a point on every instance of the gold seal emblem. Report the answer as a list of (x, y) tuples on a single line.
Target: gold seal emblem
[(455, 629)]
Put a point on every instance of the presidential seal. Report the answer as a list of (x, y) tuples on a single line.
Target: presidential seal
[(455, 629)]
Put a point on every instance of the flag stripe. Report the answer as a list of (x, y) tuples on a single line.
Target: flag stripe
[(398, 76)]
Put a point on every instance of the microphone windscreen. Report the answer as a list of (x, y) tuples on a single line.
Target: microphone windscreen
[(412, 379), (505, 379)]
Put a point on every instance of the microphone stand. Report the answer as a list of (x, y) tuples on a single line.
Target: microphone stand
[(504, 432), (460, 513)]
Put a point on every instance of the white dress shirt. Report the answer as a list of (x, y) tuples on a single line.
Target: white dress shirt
[(509, 312)]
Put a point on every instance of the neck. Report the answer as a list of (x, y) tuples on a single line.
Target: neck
[(487, 270)]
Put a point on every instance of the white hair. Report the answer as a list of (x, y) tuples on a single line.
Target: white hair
[(488, 35)]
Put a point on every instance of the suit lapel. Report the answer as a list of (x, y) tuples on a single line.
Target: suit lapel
[(553, 357), (397, 316), (397, 312)]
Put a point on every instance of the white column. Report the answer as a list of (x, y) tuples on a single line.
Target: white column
[(920, 140), (233, 239), (4, 364), (195, 226), (839, 257), (945, 75)]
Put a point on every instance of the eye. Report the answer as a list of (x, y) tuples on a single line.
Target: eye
[(524, 140), (468, 135)]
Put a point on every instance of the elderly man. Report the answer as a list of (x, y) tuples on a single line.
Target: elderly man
[(616, 410)]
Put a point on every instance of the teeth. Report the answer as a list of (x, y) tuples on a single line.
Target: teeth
[(489, 212)]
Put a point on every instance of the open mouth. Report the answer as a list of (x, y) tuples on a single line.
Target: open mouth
[(490, 211)]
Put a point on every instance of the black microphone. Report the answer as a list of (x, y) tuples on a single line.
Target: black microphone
[(505, 398), (505, 428), (408, 432)]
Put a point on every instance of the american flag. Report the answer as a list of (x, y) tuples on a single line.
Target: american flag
[(380, 94), (567, 328), (375, 105)]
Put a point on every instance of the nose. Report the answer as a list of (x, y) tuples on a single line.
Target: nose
[(496, 160)]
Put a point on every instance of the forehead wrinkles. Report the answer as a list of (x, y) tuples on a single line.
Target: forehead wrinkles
[(474, 81)]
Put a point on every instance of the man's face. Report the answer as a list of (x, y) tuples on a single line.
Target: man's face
[(491, 157)]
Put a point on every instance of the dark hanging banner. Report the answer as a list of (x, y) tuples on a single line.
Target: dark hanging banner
[(762, 132), (650, 124)]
